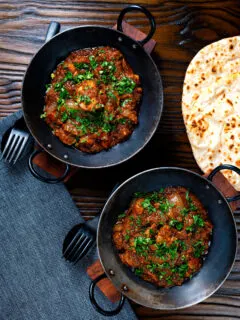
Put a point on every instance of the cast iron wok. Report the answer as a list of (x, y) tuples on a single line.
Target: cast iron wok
[(56, 50), (218, 262)]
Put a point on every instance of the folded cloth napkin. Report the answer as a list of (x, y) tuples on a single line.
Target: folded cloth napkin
[(36, 283)]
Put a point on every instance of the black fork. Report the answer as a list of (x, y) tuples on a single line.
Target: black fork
[(79, 240)]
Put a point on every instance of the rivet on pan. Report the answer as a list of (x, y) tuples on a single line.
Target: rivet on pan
[(65, 156), (111, 272), (207, 186), (119, 39), (125, 288), (49, 146), (134, 46), (219, 201)]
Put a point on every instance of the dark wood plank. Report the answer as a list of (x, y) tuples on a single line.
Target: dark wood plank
[(183, 27)]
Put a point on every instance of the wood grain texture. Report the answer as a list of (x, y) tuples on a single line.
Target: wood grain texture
[(183, 27)]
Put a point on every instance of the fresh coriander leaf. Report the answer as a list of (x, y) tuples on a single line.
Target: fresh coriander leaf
[(182, 269), (125, 85), (138, 271), (184, 211), (64, 116), (198, 249), (93, 62), (81, 65), (43, 115), (84, 98), (198, 221), (176, 224), (122, 215), (146, 204), (127, 237)]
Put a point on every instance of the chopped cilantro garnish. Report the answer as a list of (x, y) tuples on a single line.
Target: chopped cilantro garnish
[(48, 86), (122, 215), (169, 280), (146, 204), (138, 271), (165, 206), (184, 211), (141, 245), (83, 76), (111, 95), (85, 99), (151, 231), (127, 237), (176, 224), (162, 250), (173, 250), (125, 102), (191, 206), (182, 244), (63, 94), (152, 267), (81, 65), (108, 127), (68, 76), (64, 116), (122, 120), (125, 85), (43, 115), (138, 221), (93, 62), (198, 249), (182, 269), (197, 222)]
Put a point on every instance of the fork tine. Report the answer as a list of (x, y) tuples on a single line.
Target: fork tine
[(78, 233), (24, 141), (11, 148), (15, 148), (7, 144), (79, 249), (85, 250), (77, 238)]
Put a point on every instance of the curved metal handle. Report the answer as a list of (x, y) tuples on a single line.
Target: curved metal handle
[(224, 167), (106, 313), (53, 29), (42, 178), (146, 12)]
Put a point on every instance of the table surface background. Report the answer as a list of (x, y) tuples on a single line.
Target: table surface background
[(183, 27)]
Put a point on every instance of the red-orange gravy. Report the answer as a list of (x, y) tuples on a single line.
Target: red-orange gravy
[(163, 236), (92, 100)]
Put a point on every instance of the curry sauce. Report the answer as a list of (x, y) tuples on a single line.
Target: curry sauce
[(163, 236), (92, 100)]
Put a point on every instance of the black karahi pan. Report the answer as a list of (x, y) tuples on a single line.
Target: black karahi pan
[(56, 50), (219, 260)]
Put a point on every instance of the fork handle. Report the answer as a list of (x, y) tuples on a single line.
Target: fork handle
[(53, 29), (37, 175)]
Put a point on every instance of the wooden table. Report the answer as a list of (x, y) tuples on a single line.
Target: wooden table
[(183, 27)]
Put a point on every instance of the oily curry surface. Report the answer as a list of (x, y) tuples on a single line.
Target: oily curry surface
[(92, 100), (163, 236)]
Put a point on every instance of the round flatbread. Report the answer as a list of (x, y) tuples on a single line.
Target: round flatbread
[(211, 106)]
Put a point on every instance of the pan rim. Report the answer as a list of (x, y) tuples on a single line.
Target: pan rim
[(151, 133), (233, 221)]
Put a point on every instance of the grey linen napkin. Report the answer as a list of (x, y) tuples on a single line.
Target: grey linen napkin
[(36, 283)]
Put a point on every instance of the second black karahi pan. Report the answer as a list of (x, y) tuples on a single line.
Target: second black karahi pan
[(216, 266), (56, 50)]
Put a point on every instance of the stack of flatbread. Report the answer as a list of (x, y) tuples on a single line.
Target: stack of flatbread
[(211, 106)]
